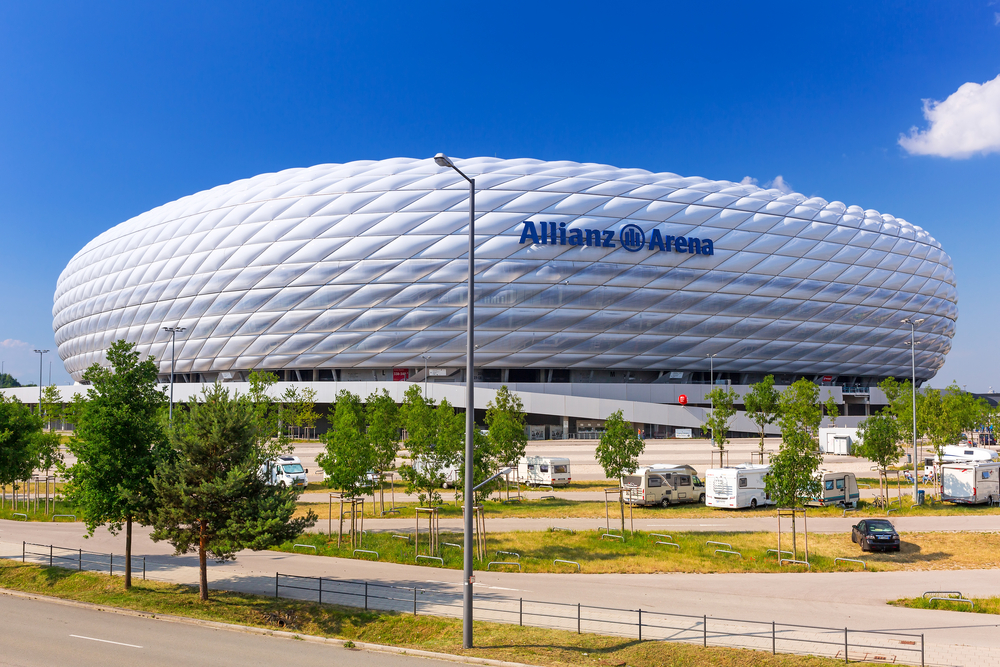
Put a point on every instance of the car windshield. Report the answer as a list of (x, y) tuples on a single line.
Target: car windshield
[(880, 527), (696, 481), (292, 468)]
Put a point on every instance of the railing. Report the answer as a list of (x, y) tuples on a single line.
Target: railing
[(51, 555), (842, 643)]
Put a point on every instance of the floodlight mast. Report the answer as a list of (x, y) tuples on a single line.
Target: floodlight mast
[(913, 392), (468, 580)]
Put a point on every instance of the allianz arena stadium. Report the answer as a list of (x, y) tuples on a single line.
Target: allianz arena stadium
[(585, 273)]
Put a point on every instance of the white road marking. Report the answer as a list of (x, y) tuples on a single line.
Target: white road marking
[(106, 641)]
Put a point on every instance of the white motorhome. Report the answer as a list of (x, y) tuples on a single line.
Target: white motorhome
[(836, 488), (543, 471), (284, 471), (661, 484), (737, 486), (964, 454), (971, 483)]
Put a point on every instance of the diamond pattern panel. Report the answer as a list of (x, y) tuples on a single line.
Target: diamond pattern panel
[(362, 265)]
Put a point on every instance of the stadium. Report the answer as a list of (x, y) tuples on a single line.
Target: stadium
[(597, 288)]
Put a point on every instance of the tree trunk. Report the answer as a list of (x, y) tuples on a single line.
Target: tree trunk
[(202, 564), (128, 553)]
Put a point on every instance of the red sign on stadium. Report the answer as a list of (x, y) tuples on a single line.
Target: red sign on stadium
[(400, 374), (682, 399)]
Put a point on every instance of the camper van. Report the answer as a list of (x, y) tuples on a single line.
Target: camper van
[(836, 488), (971, 483), (964, 454), (663, 485), (284, 471), (737, 486), (543, 471)]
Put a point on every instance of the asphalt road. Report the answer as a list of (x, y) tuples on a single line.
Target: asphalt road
[(41, 633)]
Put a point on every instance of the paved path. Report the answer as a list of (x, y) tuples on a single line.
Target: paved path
[(834, 600)]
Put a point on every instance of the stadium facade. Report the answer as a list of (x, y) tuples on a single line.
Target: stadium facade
[(591, 282)]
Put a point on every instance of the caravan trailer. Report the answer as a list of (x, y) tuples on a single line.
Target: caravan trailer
[(737, 486), (836, 488), (972, 483), (963, 454), (543, 471), (661, 484)]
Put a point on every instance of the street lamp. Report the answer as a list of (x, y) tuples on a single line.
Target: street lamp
[(442, 160), (425, 357), (173, 331), (913, 391), (41, 355)]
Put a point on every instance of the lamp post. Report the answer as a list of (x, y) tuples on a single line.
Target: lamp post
[(41, 355), (913, 392), (173, 331), (442, 160), (425, 357)]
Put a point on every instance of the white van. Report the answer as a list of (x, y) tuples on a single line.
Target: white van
[(971, 483), (737, 486), (284, 471), (964, 454), (836, 488), (543, 471), (661, 484)]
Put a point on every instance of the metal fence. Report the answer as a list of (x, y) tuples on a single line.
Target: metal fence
[(51, 555), (840, 643)]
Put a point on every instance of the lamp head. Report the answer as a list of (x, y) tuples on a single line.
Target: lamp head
[(443, 160)]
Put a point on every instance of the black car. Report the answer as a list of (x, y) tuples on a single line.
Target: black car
[(875, 535)]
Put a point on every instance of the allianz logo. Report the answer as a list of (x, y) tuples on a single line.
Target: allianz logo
[(630, 236)]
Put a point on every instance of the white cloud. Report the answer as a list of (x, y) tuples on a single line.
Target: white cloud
[(966, 123), (996, 18), (748, 180), (13, 344), (779, 184)]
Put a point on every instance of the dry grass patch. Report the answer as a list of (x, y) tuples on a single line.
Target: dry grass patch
[(982, 605)]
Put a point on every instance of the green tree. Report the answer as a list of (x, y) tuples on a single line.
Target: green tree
[(423, 473), (7, 381), (212, 497), (832, 410), (618, 452), (51, 405), (348, 456), (720, 417), (793, 470), (119, 436), (298, 410), (880, 443), (382, 429), (947, 414), (505, 421), (763, 404), (19, 430), (269, 434)]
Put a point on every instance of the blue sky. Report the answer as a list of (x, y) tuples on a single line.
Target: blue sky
[(110, 109)]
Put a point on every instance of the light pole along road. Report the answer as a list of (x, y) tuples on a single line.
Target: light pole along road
[(442, 160), (913, 392)]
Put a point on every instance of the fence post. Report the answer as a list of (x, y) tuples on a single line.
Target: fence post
[(321, 590), (79, 561), (144, 568), (704, 630), (640, 625), (111, 564), (845, 646), (774, 641), (578, 618), (24, 548), (520, 611), (921, 649), (414, 600), (275, 584), (50, 555), (366, 596)]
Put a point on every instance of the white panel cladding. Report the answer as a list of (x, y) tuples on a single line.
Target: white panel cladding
[(362, 265)]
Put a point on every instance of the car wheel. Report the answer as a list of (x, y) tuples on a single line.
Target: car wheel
[(753, 503), (665, 502), (864, 545), (701, 499), (854, 538)]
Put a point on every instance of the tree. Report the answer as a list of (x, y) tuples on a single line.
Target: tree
[(505, 422), (119, 437), (832, 410), (7, 381), (947, 413), (880, 442), (298, 410), (212, 497), (51, 405), (19, 429), (434, 439), (762, 403), (382, 429), (618, 452), (267, 416), (720, 417), (348, 456), (793, 470)]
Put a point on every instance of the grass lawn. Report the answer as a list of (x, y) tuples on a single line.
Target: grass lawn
[(562, 508), (983, 605), (61, 507), (639, 554), (535, 646), (582, 485)]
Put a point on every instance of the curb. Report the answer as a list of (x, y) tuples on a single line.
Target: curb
[(232, 627)]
